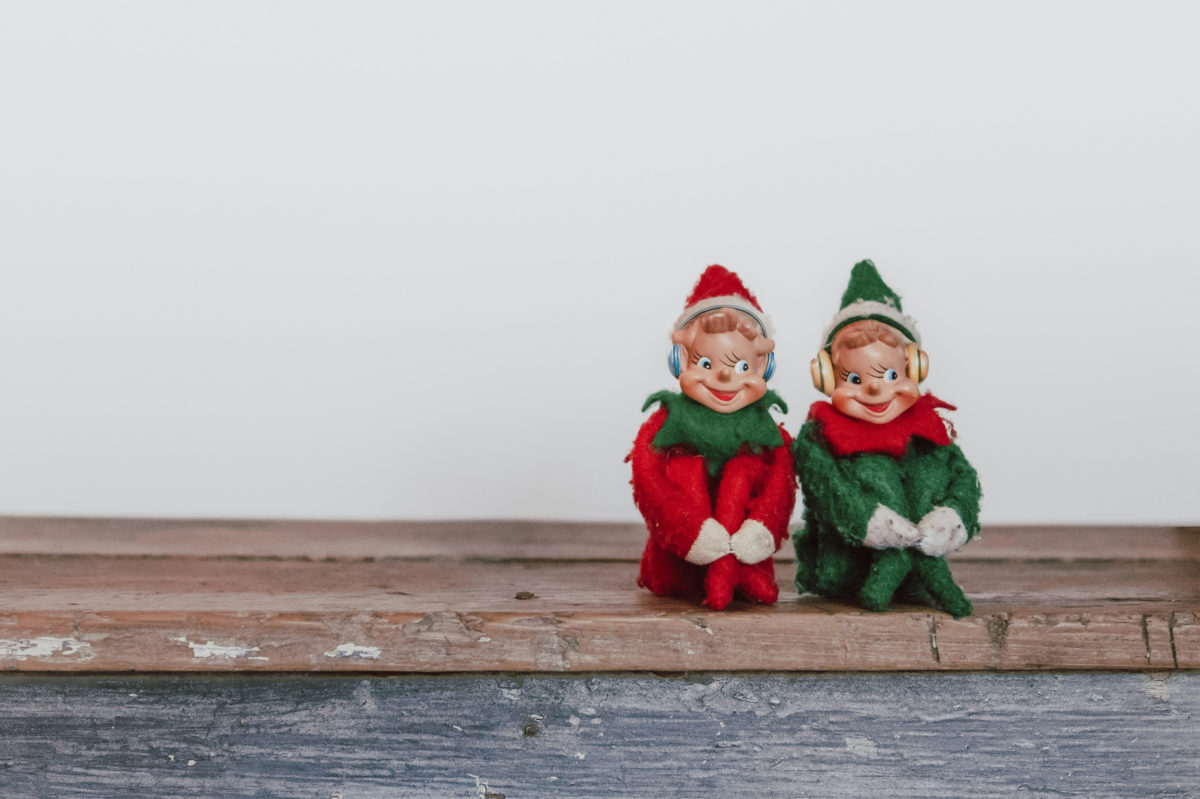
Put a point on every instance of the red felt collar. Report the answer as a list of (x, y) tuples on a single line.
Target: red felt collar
[(849, 436)]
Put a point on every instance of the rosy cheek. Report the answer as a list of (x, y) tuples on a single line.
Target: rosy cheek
[(843, 401)]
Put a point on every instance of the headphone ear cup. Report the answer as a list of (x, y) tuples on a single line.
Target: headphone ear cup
[(675, 361), (918, 362), (822, 373), (770, 366)]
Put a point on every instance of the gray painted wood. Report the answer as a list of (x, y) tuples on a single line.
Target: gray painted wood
[(897, 735)]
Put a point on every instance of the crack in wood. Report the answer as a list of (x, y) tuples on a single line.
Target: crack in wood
[(1146, 634), (1171, 636), (933, 646)]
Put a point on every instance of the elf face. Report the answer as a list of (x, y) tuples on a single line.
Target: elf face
[(872, 383), (724, 371)]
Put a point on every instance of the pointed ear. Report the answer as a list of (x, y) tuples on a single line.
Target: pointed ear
[(684, 337), (763, 345)]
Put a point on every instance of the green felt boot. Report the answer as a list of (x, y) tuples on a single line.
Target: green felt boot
[(936, 578), (888, 570)]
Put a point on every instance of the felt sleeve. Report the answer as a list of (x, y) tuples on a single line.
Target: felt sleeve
[(773, 504), (962, 490), (837, 493), (670, 490)]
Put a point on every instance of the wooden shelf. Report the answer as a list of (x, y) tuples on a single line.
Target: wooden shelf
[(290, 596)]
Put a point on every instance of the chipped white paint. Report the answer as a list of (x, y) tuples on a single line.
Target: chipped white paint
[(481, 786), (355, 652), (44, 647), (1157, 688), (214, 650), (861, 745)]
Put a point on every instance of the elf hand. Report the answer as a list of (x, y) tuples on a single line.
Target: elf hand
[(942, 532), (752, 542), (712, 543), (887, 529)]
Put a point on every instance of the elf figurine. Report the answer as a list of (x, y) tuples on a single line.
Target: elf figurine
[(887, 492), (712, 471)]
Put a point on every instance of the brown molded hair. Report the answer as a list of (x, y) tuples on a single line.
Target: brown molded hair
[(725, 320), (860, 334)]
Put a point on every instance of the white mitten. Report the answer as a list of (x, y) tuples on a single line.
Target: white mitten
[(753, 542), (887, 529), (712, 543), (942, 532)]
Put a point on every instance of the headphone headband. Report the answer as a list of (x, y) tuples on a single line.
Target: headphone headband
[(687, 320)]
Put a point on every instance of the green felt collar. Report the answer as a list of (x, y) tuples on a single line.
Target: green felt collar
[(714, 435)]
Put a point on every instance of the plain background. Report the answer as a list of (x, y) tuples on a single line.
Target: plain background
[(380, 260)]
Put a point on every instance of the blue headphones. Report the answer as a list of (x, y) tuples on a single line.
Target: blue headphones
[(675, 363)]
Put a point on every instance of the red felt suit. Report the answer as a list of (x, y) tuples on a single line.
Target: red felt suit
[(675, 494)]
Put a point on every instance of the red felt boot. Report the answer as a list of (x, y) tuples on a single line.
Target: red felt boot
[(756, 581), (720, 582)]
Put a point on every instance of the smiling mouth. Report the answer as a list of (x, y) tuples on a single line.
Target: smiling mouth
[(723, 396), (879, 409)]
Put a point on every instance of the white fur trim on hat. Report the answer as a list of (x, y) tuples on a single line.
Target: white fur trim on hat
[(866, 309), (729, 301)]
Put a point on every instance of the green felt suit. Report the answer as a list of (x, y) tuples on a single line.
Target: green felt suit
[(840, 495)]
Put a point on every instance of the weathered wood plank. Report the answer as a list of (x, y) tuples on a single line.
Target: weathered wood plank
[(507, 540), (113, 613), (1097, 735), (1185, 638)]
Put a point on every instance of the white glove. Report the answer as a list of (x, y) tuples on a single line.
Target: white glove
[(712, 543), (942, 532), (887, 529), (753, 542)]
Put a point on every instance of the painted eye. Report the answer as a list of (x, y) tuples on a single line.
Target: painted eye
[(854, 378), (704, 363), (890, 375), (741, 367)]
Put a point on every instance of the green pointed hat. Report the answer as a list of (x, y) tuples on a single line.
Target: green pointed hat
[(868, 297)]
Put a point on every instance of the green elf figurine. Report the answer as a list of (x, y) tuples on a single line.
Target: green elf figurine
[(887, 492)]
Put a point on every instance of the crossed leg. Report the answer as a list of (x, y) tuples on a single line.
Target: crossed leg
[(892, 567)]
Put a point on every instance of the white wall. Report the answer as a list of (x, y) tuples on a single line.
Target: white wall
[(419, 260)]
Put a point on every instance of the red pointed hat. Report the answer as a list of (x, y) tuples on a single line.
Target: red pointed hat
[(719, 288)]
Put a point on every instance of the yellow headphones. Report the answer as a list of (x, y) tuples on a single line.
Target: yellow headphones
[(822, 367)]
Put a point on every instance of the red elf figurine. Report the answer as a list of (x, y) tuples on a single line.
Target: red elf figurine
[(712, 472)]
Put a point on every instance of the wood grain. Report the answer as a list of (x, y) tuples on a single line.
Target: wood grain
[(1096, 734), (507, 540), (445, 608)]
